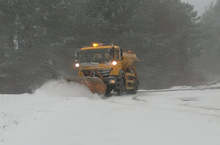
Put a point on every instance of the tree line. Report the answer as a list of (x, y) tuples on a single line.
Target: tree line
[(209, 42), (39, 37)]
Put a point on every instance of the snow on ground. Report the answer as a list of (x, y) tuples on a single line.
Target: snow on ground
[(63, 113)]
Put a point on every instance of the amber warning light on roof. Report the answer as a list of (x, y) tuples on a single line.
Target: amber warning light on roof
[(95, 44)]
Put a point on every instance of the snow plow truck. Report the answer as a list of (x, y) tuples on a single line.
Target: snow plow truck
[(106, 69)]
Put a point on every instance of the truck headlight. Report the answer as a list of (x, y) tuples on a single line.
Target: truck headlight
[(114, 63), (112, 81), (77, 65)]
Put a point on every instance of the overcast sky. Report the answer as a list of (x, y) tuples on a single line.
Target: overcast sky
[(200, 5)]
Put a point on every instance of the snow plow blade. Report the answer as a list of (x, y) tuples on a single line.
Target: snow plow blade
[(95, 84)]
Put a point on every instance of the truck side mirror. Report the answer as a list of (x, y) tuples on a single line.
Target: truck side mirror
[(76, 55), (121, 54)]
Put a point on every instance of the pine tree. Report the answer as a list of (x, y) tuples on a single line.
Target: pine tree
[(209, 43)]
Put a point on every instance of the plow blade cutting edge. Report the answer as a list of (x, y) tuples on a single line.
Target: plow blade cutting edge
[(95, 84)]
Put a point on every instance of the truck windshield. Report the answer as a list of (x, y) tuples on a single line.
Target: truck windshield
[(95, 55)]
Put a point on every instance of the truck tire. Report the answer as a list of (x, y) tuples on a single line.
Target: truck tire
[(121, 85), (108, 91), (134, 91)]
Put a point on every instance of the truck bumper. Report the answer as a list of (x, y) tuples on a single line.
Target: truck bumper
[(112, 80)]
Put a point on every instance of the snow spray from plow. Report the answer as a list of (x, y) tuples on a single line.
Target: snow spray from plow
[(62, 88)]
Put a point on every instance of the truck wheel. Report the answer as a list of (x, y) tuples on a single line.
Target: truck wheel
[(120, 88), (108, 91), (134, 91), (121, 85)]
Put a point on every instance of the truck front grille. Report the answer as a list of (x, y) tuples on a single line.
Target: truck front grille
[(97, 73)]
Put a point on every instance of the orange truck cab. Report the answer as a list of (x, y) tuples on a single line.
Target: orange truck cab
[(108, 64)]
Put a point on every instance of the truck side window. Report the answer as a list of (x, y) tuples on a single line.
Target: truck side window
[(111, 52), (121, 54), (117, 54)]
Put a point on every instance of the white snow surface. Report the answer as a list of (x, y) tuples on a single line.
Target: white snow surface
[(61, 113)]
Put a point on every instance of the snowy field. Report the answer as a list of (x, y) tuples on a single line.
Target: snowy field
[(67, 114)]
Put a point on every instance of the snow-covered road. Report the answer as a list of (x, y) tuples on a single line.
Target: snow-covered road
[(67, 114)]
